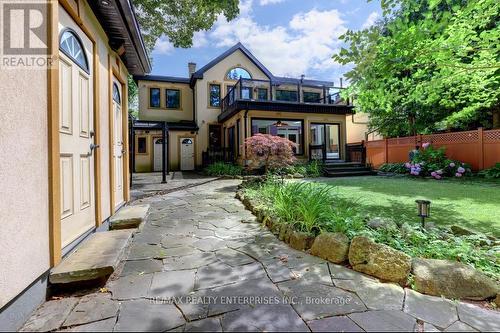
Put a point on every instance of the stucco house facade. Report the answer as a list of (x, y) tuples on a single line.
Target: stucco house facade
[(215, 108), (64, 131)]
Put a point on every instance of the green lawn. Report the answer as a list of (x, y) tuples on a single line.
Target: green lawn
[(474, 204)]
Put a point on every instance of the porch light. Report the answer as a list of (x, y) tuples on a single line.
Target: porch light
[(423, 210), (279, 123)]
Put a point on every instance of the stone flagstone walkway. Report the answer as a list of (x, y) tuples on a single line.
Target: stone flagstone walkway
[(202, 263)]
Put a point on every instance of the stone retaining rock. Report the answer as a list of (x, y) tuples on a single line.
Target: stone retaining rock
[(380, 223), (379, 260), (301, 241), (333, 247), (461, 231), (452, 279)]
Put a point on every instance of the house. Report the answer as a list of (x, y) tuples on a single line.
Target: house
[(63, 136), (211, 112)]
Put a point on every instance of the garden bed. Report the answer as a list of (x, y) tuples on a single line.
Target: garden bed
[(433, 261)]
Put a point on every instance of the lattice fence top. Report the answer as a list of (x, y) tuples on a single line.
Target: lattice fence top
[(456, 137), (492, 136), (376, 143), (408, 140)]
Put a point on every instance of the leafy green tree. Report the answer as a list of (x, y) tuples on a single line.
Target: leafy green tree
[(427, 65), (180, 19)]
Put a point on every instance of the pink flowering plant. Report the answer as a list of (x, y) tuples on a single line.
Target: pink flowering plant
[(432, 162), (269, 151)]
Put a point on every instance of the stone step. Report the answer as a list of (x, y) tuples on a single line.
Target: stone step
[(94, 259), (128, 217)]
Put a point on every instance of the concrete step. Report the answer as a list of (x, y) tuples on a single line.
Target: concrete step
[(129, 217), (96, 258), (349, 173)]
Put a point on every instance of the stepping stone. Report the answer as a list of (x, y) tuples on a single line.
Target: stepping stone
[(93, 307), (264, 318), (96, 258), (219, 274), (334, 324), (141, 267), (480, 319), (437, 311), (204, 325), (128, 217), (130, 286), (50, 315), (384, 321), (315, 301), (458, 326), (98, 326), (146, 316), (233, 258), (166, 285)]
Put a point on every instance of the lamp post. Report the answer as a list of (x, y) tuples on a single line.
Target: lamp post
[(423, 210)]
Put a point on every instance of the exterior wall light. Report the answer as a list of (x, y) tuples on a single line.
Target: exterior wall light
[(423, 210)]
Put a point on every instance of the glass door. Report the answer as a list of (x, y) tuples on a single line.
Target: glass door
[(332, 139), (325, 141)]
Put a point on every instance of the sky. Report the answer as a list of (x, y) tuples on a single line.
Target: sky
[(290, 37)]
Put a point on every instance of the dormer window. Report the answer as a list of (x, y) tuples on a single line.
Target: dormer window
[(237, 73)]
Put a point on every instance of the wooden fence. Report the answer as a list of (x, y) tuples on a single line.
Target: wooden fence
[(479, 148)]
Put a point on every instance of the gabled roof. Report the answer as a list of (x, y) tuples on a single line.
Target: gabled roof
[(199, 73), (159, 78)]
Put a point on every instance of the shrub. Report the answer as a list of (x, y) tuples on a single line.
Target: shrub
[(269, 151), (311, 169), (493, 172), (394, 168), (433, 162), (223, 169)]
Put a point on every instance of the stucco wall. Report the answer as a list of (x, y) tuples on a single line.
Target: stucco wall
[(24, 237), (162, 113), (206, 115), (357, 128)]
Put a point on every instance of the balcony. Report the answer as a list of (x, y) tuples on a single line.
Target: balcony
[(283, 96)]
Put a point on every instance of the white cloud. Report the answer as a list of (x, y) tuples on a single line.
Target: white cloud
[(269, 2), (372, 18), (163, 46), (305, 44)]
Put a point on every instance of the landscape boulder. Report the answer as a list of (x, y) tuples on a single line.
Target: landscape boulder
[(452, 279), (331, 246), (461, 231), (301, 241), (379, 260), (380, 223)]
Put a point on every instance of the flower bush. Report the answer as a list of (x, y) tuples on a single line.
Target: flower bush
[(269, 151), (432, 162)]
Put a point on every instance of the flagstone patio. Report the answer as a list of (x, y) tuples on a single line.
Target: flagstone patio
[(201, 262)]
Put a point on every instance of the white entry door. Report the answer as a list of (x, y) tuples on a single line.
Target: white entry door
[(157, 149), (75, 130), (118, 149), (187, 154)]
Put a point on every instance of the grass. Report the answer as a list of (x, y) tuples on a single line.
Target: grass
[(473, 203), (343, 205)]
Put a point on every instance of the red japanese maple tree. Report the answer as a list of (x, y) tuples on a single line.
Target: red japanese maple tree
[(269, 151)]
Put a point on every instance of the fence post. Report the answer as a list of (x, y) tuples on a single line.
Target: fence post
[(386, 151), (480, 133)]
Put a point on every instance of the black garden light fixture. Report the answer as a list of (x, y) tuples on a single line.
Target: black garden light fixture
[(423, 210)]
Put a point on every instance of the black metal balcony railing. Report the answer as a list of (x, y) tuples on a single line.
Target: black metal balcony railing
[(262, 90)]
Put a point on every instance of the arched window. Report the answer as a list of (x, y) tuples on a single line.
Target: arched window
[(116, 93), (71, 45), (237, 72)]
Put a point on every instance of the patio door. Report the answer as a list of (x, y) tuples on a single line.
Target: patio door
[(118, 149), (326, 136), (76, 132)]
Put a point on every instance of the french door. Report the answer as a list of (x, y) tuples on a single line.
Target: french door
[(326, 140)]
